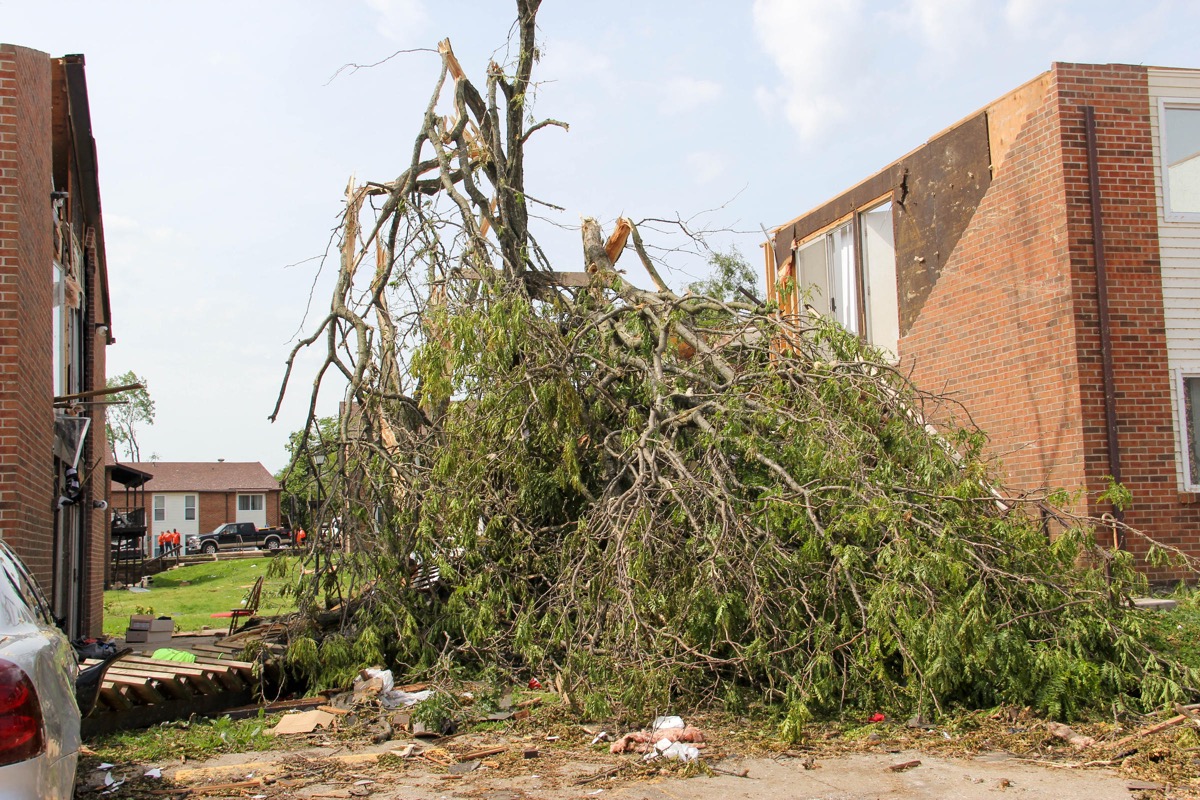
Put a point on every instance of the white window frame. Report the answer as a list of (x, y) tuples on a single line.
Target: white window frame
[(160, 508), (1164, 103), (262, 502), (859, 278), (189, 507)]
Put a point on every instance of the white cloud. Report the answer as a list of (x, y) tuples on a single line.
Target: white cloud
[(402, 21), (682, 94), (1025, 15), (949, 27), (705, 166), (813, 44)]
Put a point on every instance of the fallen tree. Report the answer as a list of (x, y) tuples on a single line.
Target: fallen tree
[(655, 496)]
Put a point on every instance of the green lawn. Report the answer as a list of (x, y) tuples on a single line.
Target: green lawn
[(192, 594)]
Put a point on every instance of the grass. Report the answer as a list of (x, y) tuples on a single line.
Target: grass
[(192, 594), (189, 739), (1177, 632)]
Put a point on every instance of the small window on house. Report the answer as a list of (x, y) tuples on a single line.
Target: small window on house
[(250, 502), (189, 506), (1191, 430), (160, 508), (1181, 157)]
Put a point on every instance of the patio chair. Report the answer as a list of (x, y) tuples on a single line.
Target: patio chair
[(249, 607)]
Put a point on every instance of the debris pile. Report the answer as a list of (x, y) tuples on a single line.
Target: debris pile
[(655, 496)]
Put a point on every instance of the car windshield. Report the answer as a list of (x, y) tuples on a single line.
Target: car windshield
[(18, 599)]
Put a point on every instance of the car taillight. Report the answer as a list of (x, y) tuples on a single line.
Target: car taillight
[(21, 735)]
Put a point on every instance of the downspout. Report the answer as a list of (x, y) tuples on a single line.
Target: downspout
[(1110, 392)]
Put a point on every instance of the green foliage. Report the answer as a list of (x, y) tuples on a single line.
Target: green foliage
[(730, 273), (310, 472), (772, 524), (126, 412)]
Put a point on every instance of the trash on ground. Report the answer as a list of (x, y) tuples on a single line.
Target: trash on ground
[(647, 741), (904, 766), (1076, 740)]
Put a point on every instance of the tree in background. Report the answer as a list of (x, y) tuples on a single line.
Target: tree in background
[(311, 464), (129, 410), (731, 278)]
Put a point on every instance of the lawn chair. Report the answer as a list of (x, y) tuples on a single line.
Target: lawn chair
[(248, 609)]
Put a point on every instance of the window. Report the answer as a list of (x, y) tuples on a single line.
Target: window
[(879, 268), (1189, 392), (189, 506), (1179, 125), (160, 508), (250, 502), (849, 273)]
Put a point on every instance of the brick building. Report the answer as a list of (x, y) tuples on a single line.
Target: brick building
[(195, 497), (1064, 314), (54, 327)]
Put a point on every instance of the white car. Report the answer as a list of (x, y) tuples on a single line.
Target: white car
[(39, 713)]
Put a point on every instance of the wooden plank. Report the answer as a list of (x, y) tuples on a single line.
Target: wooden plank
[(216, 660), (167, 685), (113, 697), (138, 687), (197, 677)]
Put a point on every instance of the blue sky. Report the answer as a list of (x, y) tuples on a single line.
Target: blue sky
[(225, 142)]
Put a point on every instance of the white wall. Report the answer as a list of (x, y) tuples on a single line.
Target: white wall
[(175, 504), (259, 518), (1179, 245)]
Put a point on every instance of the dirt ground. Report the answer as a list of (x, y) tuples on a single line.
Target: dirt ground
[(559, 771), (850, 776)]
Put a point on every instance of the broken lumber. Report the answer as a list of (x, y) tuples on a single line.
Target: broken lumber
[(1162, 726), (487, 751)]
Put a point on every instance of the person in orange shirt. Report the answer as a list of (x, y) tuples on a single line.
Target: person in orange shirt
[(162, 542), (175, 538)]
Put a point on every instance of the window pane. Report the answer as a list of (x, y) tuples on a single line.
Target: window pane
[(1182, 139), (812, 275), (879, 263), (845, 280), (189, 506), (243, 502), (1191, 404), (160, 508)]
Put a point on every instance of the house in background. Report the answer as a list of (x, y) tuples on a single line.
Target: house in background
[(1039, 261), (195, 497), (55, 323)]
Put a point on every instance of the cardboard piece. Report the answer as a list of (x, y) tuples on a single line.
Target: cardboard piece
[(304, 722)]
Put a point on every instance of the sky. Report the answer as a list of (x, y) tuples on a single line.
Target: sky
[(227, 130)]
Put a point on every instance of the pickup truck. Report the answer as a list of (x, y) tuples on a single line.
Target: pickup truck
[(235, 535)]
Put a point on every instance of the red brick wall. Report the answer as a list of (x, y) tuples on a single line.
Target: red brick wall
[(96, 547), (26, 255), (213, 511), (1120, 97), (1012, 330), (996, 333)]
